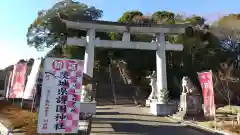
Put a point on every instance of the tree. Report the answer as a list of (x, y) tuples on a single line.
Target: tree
[(229, 26), (128, 16), (30, 61), (230, 21), (48, 30), (21, 61), (164, 17), (196, 20)]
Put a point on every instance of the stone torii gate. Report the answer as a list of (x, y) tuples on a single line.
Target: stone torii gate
[(90, 42)]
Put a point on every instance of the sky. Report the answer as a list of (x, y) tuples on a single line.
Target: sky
[(17, 15)]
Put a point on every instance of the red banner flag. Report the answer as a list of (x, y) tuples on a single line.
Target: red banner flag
[(18, 81), (205, 79)]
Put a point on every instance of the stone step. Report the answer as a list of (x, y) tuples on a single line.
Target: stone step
[(112, 102)]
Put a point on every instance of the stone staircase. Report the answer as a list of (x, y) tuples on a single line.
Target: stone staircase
[(122, 94), (115, 86), (112, 88)]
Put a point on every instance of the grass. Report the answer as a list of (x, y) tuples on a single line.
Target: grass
[(225, 119), (229, 109), (16, 118)]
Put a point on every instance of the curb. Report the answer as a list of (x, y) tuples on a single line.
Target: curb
[(197, 127), (5, 131)]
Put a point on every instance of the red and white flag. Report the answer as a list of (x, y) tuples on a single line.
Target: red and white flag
[(205, 79), (18, 81)]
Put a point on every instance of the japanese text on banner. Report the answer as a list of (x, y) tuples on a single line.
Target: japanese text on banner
[(205, 79), (64, 78), (18, 81)]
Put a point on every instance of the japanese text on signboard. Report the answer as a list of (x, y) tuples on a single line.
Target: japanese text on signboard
[(64, 77)]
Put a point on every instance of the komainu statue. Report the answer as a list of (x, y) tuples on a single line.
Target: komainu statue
[(153, 97), (188, 87), (153, 84), (86, 93)]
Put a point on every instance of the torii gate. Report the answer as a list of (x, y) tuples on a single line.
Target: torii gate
[(90, 42)]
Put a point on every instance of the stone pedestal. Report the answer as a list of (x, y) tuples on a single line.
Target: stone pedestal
[(191, 104), (160, 109), (88, 107), (183, 102), (86, 110), (149, 101)]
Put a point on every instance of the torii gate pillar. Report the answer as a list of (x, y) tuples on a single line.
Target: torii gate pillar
[(161, 62), (89, 53)]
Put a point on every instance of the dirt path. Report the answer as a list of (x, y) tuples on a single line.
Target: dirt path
[(131, 120)]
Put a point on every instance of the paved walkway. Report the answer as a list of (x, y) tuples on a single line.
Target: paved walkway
[(131, 120)]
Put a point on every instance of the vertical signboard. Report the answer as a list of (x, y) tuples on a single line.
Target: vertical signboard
[(18, 81), (205, 79), (60, 97), (30, 88)]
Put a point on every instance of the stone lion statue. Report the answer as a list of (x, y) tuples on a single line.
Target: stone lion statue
[(86, 93), (153, 84), (190, 99), (188, 87)]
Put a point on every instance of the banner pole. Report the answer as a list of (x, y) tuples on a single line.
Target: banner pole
[(229, 98), (5, 86), (215, 121), (34, 98), (21, 104), (12, 85)]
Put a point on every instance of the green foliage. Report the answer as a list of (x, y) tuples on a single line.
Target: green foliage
[(74, 52), (165, 95), (164, 17), (48, 30), (196, 20), (128, 16), (45, 31)]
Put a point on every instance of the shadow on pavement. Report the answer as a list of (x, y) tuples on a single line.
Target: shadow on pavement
[(99, 120), (104, 108), (117, 113), (130, 120), (132, 127)]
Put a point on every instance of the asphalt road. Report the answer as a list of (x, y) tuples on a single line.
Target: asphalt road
[(130, 120)]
